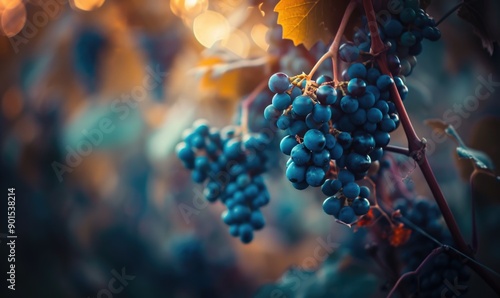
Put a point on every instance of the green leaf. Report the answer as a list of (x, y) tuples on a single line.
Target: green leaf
[(479, 159), (309, 21)]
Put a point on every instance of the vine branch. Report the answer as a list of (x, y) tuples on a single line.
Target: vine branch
[(417, 147), (247, 103)]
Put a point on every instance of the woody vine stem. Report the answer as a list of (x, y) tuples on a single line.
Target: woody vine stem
[(416, 149)]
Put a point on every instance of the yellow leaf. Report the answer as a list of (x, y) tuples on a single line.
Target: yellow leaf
[(306, 21)]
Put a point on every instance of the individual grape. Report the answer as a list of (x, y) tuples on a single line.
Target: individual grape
[(300, 155), (336, 152), (381, 138), (279, 83), (326, 94), (295, 173), (321, 113), (332, 206), (345, 177), (393, 28), (363, 143), (302, 105), (284, 122), (323, 79), (367, 100), (321, 159), (347, 215), (271, 112), (349, 104), (287, 144), (344, 139), (382, 106), (281, 101), (298, 128), (364, 192), (407, 15), (358, 163), (358, 117), (372, 75), (315, 176), (374, 115), (348, 52), (257, 220), (356, 87), (360, 206), (351, 190), (245, 232), (407, 39), (383, 82), (314, 140), (356, 70)]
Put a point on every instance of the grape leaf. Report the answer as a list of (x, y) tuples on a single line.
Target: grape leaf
[(483, 16), (309, 21), (479, 159)]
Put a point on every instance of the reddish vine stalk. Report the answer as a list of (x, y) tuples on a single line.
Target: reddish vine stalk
[(245, 106), (334, 48), (417, 149)]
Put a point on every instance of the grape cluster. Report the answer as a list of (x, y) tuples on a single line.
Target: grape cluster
[(232, 165), (443, 270), (402, 33), (349, 125)]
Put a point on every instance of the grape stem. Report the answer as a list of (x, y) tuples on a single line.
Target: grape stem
[(333, 50), (414, 272), (398, 149), (451, 11), (247, 103), (416, 148)]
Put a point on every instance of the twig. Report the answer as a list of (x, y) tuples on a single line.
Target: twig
[(456, 7), (414, 272), (247, 103), (397, 149), (334, 47)]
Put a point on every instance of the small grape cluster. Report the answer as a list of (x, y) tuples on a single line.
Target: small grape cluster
[(443, 267), (233, 166), (402, 33)]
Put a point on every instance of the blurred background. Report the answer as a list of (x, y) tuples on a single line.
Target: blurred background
[(94, 96)]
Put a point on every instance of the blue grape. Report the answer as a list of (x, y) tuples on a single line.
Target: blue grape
[(287, 144), (360, 206), (279, 83), (349, 104), (348, 52), (332, 206), (302, 105), (314, 140), (315, 176), (347, 215), (281, 101), (351, 190)]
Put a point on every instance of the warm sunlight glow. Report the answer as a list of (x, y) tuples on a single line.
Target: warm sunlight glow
[(210, 27), (238, 43), (188, 8), (258, 34), (88, 5), (12, 17)]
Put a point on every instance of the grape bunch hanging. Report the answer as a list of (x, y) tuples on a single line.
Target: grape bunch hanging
[(343, 128), (232, 163)]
